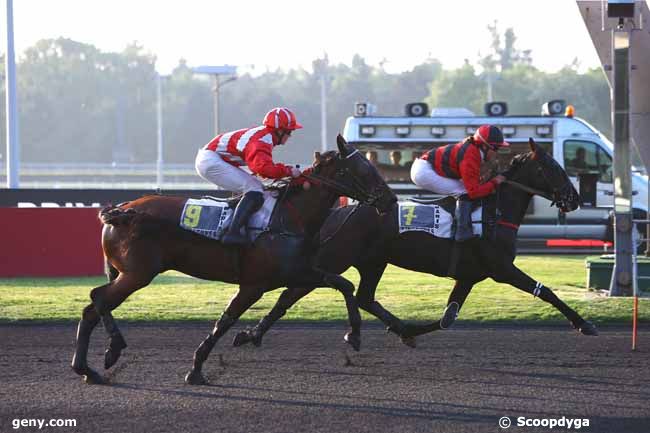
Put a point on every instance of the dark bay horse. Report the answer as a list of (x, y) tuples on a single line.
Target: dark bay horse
[(142, 239), (359, 237)]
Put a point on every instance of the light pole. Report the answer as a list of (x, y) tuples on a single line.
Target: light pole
[(320, 68), (216, 72), (159, 119), (13, 147)]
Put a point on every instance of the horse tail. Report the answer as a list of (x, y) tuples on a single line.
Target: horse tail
[(116, 216)]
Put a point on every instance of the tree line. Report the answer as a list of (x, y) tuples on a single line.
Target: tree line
[(80, 104)]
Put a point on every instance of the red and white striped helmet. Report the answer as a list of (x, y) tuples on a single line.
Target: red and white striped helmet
[(281, 118)]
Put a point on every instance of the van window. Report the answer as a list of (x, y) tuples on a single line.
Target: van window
[(587, 157), (393, 165)]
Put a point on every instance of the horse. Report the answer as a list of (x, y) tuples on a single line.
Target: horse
[(142, 238), (356, 236)]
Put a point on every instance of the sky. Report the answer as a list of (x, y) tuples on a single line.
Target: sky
[(259, 35)]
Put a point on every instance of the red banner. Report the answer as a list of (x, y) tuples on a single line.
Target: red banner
[(50, 242)]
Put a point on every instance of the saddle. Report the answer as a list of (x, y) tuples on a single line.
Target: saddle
[(211, 216), (435, 216)]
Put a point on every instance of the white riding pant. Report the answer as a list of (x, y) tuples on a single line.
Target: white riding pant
[(211, 167), (424, 176)]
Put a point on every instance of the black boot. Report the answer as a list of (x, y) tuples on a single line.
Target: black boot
[(250, 203), (464, 230)]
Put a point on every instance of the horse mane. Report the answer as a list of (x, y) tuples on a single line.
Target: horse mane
[(516, 163), (296, 185)]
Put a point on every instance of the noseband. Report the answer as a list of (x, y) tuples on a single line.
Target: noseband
[(558, 196)]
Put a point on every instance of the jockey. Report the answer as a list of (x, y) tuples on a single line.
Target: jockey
[(220, 160), (454, 169)]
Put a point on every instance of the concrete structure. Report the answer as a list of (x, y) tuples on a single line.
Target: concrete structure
[(600, 29), (620, 33)]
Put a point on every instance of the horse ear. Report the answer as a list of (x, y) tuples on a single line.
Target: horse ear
[(316, 156), (342, 144), (533, 146)]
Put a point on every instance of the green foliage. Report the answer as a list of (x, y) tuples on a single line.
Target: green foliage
[(80, 104)]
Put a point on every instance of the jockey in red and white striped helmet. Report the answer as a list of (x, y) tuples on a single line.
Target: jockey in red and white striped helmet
[(220, 160), (281, 118)]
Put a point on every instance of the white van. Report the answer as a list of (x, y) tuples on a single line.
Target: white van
[(395, 141)]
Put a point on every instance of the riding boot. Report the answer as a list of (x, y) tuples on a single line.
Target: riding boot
[(464, 230), (250, 203)]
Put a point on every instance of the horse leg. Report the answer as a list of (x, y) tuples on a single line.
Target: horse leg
[(89, 319), (107, 298), (517, 278), (116, 340), (292, 295), (454, 303), (320, 278), (353, 338), (370, 276), (242, 301), (286, 300)]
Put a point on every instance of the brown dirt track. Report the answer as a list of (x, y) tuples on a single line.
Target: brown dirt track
[(462, 380)]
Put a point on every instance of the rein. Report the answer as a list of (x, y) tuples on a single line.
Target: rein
[(357, 192), (338, 229)]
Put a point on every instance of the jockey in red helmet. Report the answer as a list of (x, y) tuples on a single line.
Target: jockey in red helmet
[(454, 169), (220, 162)]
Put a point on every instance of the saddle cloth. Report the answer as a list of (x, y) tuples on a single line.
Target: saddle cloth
[(211, 218), (433, 219)]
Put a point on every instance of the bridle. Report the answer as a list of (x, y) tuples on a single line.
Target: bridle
[(357, 190), (559, 196)]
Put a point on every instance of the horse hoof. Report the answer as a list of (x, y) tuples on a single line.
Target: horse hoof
[(409, 331), (588, 328), (110, 358), (93, 378), (195, 378), (409, 341), (241, 338), (257, 341), (353, 340), (450, 315)]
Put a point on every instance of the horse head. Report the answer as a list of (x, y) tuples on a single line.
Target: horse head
[(543, 176), (347, 172)]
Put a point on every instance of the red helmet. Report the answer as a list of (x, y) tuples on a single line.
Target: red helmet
[(490, 136), (281, 118)]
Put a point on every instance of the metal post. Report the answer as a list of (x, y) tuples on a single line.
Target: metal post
[(489, 85), (13, 145), (323, 105), (216, 104), (647, 217), (622, 275), (216, 72), (159, 159)]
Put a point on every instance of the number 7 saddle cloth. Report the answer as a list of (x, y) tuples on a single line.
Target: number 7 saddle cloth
[(437, 217), (211, 218)]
